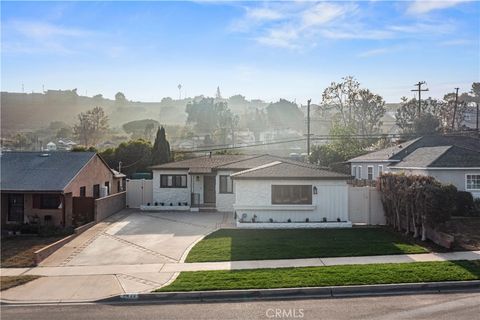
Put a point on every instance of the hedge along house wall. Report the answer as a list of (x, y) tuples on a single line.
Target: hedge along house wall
[(416, 203)]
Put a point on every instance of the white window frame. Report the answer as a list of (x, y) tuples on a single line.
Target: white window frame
[(368, 173), (354, 171), (466, 184), (359, 175), (379, 172)]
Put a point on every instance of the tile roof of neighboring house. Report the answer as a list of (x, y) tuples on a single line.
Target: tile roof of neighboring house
[(202, 162), (398, 153), (441, 157), (288, 170), (40, 171)]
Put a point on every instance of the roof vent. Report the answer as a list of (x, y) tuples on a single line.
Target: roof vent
[(45, 155)]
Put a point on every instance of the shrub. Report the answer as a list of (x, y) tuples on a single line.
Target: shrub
[(52, 231), (465, 206)]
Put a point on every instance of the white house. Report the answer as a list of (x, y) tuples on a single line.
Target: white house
[(259, 188), (450, 159)]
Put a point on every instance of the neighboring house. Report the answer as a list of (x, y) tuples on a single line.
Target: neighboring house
[(264, 186), (42, 187), (450, 159)]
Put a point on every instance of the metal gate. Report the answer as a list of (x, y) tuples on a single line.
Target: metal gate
[(139, 192)]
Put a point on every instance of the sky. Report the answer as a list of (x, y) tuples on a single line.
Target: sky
[(266, 50)]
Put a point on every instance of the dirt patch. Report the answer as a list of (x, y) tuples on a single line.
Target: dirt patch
[(10, 282), (18, 252), (466, 232)]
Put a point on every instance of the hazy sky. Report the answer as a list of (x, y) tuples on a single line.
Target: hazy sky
[(262, 50)]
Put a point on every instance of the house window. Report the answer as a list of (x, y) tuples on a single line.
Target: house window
[(472, 181), (107, 184), (119, 186), (226, 184), (291, 194), (173, 181), (370, 173), (354, 171), (359, 172), (96, 191), (46, 201), (83, 191), (380, 170)]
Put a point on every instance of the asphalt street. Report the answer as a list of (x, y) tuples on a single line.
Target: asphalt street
[(456, 306)]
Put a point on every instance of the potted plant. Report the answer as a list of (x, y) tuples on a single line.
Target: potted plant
[(289, 220), (307, 220)]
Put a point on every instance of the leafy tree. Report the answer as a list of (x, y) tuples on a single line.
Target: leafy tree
[(91, 126), (120, 99), (141, 129), (285, 114), (161, 148), (218, 94), (134, 156), (426, 124), (343, 146)]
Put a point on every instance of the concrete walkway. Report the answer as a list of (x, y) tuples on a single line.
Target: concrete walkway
[(171, 268)]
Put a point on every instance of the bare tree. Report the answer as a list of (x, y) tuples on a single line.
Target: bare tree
[(91, 126)]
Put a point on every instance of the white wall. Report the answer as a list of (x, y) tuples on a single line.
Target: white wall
[(197, 186), (224, 200), (170, 195), (253, 197), (364, 174)]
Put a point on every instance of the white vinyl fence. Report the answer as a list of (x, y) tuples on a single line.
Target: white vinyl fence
[(365, 206), (139, 192)]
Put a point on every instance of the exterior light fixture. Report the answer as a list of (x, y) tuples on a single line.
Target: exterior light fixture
[(315, 191)]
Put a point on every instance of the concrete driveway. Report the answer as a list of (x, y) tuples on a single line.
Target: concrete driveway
[(130, 248)]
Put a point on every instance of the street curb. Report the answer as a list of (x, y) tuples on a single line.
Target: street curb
[(297, 293)]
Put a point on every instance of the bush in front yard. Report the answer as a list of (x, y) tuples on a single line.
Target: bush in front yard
[(465, 204)]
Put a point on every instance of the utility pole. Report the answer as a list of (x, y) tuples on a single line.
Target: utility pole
[(419, 90), (455, 108), (477, 118), (308, 128)]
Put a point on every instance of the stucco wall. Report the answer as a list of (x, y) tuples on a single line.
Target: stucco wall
[(106, 206), (94, 172), (253, 197), (57, 214), (170, 195)]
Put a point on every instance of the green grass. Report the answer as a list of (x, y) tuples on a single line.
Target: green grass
[(241, 244), (327, 276), (10, 282)]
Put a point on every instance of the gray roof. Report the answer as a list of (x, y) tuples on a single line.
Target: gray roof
[(260, 160), (40, 171), (202, 162), (288, 170), (441, 157), (400, 152), (384, 154)]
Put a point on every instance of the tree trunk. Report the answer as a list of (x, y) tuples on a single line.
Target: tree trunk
[(424, 231)]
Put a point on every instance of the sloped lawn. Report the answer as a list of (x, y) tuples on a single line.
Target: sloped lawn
[(243, 244), (10, 282), (327, 276)]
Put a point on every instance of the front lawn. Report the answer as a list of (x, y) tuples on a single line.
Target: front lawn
[(244, 244), (327, 276), (10, 282), (18, 252)]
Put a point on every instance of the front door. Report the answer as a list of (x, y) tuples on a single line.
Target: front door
[(15, 208), (209, 189)]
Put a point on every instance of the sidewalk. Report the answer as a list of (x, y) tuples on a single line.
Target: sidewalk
[(236, 265)]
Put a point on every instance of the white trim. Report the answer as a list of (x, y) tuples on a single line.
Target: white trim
[(359, 175), (271, 164), (436, 168), (296, 207), (354, 171), (378, 169), (470, 174), (373, 173)]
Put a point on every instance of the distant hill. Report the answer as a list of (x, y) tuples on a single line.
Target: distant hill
[(33, 111)]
